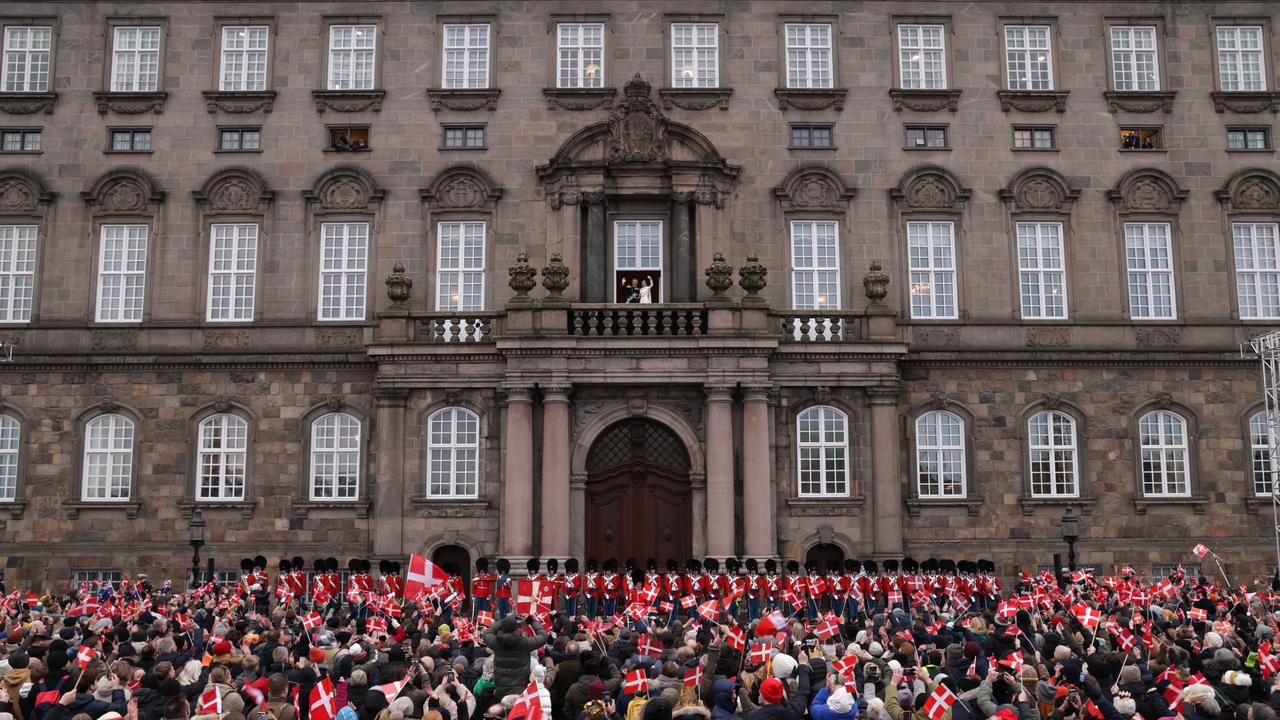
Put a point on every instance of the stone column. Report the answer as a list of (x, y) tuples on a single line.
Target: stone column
[(555, 472), (571, 239), (720, 495), (757, 476), (388, 500), (698, 498), (886, 485), (517, 481), (578, 516), (681, 249), (597, 281)]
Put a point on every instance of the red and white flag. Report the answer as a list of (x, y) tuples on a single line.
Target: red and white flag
[(423, 575), (688, 601), (392, 689), (1197, 614), (1200, 550), (324, 702), (256, 695), (484, 617), (771, 624), (939, 702), (1013, 661), (527, 705), (828, 629), (646, 646), (845, 666), (693, 677), (211, 701), (637, 682), (736, 638), (312, 620), (84, 656), (761, 652), (376, 626), (709, 610), (1087, 616)]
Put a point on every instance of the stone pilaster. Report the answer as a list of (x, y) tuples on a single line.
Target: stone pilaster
[(555, 472), (757, 478), (886, 487), (681, 248), (517, 485), (720, 495), (388, 498), (597, 281)]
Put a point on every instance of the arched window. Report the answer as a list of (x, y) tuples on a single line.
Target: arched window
[(10, 437), (108, 458), (223, 448), (1051, 437), (940, 471), (335, 457), (1264, 472), (453, 454), (823, 450), (1164, 455)]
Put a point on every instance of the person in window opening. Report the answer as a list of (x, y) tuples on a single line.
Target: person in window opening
[(342, 143), (359, 144), (632, 288), (646, 290), (1131, 141), (1148, 143)]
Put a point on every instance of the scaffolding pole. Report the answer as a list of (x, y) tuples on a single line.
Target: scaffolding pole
[(1266, 349)]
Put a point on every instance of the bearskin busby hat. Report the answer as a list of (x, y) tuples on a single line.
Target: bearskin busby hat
[(482, 565), (552, 565), (532, 566), (504, 566), (770, 565), (752, 565), (285, 565), (891, 565), (871, 567), (571, 565), (711, 565), (246, 564)]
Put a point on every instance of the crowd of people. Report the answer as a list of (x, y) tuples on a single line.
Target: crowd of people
[(937, 640)]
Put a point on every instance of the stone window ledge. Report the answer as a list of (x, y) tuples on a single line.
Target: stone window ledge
[(1245, 102), (28, 103), (1255, 503), (239, 101), (1139, 102), (924, 100), (130, 103), (695, 98), (15, 509), (824, 506), (359, 507), (1029, 504), (246, 507), (810, 98), (578, 98), (348, 100), (1033, 100), (442, 508), (1198, 503), (464, 99), (915, 505), (75, 507)]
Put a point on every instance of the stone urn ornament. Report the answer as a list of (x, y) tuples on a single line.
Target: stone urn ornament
[(876, 283), (752, 279), (719, 277), (555, 278), (522, 279), (398, 284)]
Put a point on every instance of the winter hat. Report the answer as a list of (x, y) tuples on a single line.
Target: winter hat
[(170, 688), (1212, 640), (783, 666), (1223, 655), (971, 649), (905, 697), (1130, 674), (595, 690), (772, 691), (658, 709), (223, 647), (840, 702), (1125, 705), (876, 649), (1062, 653), (875, 708), (1237, 678), (955, 651), (1006, 713)]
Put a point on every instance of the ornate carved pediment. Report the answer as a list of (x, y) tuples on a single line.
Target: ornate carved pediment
[(345, 190), (234, 191), (1253, 191), (460, 189), (130, 103), (1033, 100), (22, 194), (1246, 102), (1147, 190), (28, 103), (123, 192), (930, 189), (239, 101), (637, 127), (1039, 190), (813, 188), (468, 99), (1139, 102), (348, 100), (924, 100)]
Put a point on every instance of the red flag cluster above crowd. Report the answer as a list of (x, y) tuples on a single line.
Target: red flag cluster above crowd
[(937, 640)]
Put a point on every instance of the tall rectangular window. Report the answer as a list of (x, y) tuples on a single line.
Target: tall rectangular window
[(122, 273), (580, 53), (244, 58), (352, 54), (233, 266), (695, 55), (135, 59), (815, 265), (343, 265), (460, 266), (466, 56), (1135, 67), (931, 259), (1028, 57), (922, 57), (1257, 270), (1148, 254), (637, 246), (808, 55), (17, 271), (1042, 275), (27, 52), (1241, 65)]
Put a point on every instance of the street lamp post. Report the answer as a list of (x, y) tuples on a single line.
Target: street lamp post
[(1070, 533), (197, 540)]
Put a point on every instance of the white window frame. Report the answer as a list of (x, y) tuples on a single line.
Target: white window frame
[(1131, 58), (237, 77), (344, 270), (27, 68), (1148, 251), (1035, 74), (222, 459), (1042, 270), (233, 272), (1257, 261), (1052, 453), (468, 57), (122, 266), (335, 452), (353, 66), (1262, 465), (460, 263), (453, 454), (108, 466), (810, 51), (1232, 73), (702, 57), (832, 456), (18, 244), (928, 270), (940, 455), (574, 56), (135, 58), (815, 263), (1170, 448), (10, 456), (640, 265), (83, 576), (912, 38)]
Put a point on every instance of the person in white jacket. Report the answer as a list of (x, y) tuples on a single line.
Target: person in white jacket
[(538, 674)]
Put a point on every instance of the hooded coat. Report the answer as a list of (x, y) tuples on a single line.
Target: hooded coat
[(511, 649), (818, 709)]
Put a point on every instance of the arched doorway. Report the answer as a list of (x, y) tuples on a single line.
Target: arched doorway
[(638, 494), (824, 554), (455, 560)]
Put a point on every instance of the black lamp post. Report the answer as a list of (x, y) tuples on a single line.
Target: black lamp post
[(197, 540), (1070, 533)]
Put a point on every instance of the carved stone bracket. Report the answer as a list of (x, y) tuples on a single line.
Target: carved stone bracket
[(1199, 503), (347, 100), (924, 100), (915, 505), (16, 509), (239, 101), (810, 98), (1048, 337), (73, 509), (464, 99), (1139, 102), (359, 508), (245, 507), (578, 98), (432, 508), (825, 507), (28, 103), (1033, 100), (130, 103), (695, 98), (1245, 102), (114, 340)]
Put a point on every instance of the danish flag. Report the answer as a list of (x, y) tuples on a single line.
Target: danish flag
[(709, 610), (323, 700), (635, 684), (1200, 550), (646, 646), (1013, 661), (1087, 616), (736, 638), (846, 665), (693, 677), (828, 629), (376, 626), (84, 656), (770, 624), (311, 620), (939, 702), (527, 705), (211, 701), (484, 617), (761, 652), (1197, 614), (688, 601), (392, 689), (423, 574), (255, 694), (1269, 665)]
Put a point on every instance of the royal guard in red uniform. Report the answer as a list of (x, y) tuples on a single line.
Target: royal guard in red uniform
[(260, 571), (502, 588), (794, 588), (610, 586), (555, 580), (283, 590), (674, 583), (247, 577), (833, 578), (723, 583), (868, 585), (482, 586), (591, 588), (396, 580), (737, 585), (384, 578), (570, 587), (814, 589), (361, 581), (770, 584), (690, 581), (707, 580), (751, 589)]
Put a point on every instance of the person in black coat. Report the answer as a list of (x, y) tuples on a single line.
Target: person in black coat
[(776, 703)]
